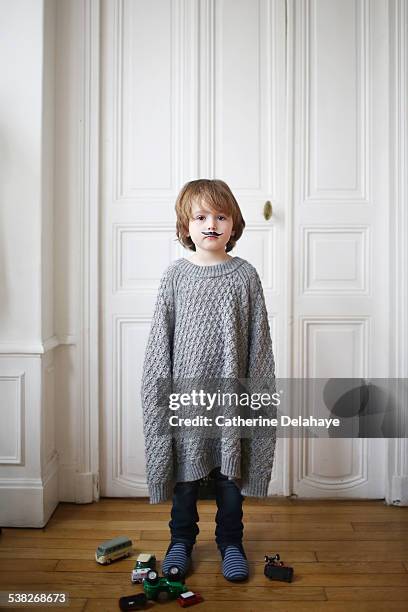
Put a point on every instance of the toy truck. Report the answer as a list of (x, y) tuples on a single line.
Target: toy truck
[(162, 589)]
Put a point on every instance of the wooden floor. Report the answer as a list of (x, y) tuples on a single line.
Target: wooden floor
[(346, 555)]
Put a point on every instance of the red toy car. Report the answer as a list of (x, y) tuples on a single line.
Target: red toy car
[(189, 599)]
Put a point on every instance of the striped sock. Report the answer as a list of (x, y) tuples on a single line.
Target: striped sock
[(234, 563), (177, 554)]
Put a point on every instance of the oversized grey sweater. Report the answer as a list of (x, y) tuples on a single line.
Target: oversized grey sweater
[(208, 321)]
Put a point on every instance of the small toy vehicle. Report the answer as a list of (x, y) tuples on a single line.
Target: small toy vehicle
[(276, 570), (133, 602), (113, 549), (189, 599), (144, 563), (162, 589)]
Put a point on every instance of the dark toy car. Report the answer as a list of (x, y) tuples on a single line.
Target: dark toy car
[(276, 570), (133, 602)]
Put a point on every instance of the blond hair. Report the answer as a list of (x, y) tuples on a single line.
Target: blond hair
[(218, 196)]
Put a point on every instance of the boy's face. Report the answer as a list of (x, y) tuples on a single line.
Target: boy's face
[(209, 230)]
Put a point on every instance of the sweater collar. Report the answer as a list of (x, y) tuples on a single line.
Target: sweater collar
[(210, 271)]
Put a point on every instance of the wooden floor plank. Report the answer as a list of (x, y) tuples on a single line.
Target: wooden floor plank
[(70, 534), (349, 515), (44, 553), (375, 594), (356, 554), (69, 578), (25, 565), (380, 527)]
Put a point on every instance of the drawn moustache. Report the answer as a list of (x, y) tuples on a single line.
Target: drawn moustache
[(211, 234)]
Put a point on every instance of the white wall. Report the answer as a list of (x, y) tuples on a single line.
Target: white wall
[(21, 98), (28, 457)]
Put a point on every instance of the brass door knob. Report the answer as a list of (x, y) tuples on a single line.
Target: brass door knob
[(267, 211)]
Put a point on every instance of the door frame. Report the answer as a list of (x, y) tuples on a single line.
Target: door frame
[(88, 421), (89, 417), (396, 487)]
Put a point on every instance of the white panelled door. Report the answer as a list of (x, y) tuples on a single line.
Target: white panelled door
[(204, 89), (341, 208)]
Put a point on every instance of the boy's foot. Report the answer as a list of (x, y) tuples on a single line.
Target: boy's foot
[(234, 563), (178, 553)]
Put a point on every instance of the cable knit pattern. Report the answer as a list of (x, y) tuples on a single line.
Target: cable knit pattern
[(209, 321)]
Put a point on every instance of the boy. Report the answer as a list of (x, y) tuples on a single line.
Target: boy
[(210, 321)]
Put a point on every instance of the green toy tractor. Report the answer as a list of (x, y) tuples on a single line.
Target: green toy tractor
[(162, 589)]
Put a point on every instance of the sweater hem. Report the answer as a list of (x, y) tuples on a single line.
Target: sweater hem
[(230, 466), (255, 488), (160, 492)]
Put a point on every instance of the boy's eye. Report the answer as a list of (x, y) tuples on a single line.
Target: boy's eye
[(201, 217)]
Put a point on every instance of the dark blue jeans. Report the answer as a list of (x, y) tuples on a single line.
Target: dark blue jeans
[(184, 516)]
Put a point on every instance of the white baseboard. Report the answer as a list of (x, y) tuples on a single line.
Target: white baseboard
[(399, 491), (75, 487), (28, 502), (67, 476), (84, 488)]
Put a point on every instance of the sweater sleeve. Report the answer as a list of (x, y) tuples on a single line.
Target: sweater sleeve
[(259, 450), (158, 364)]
